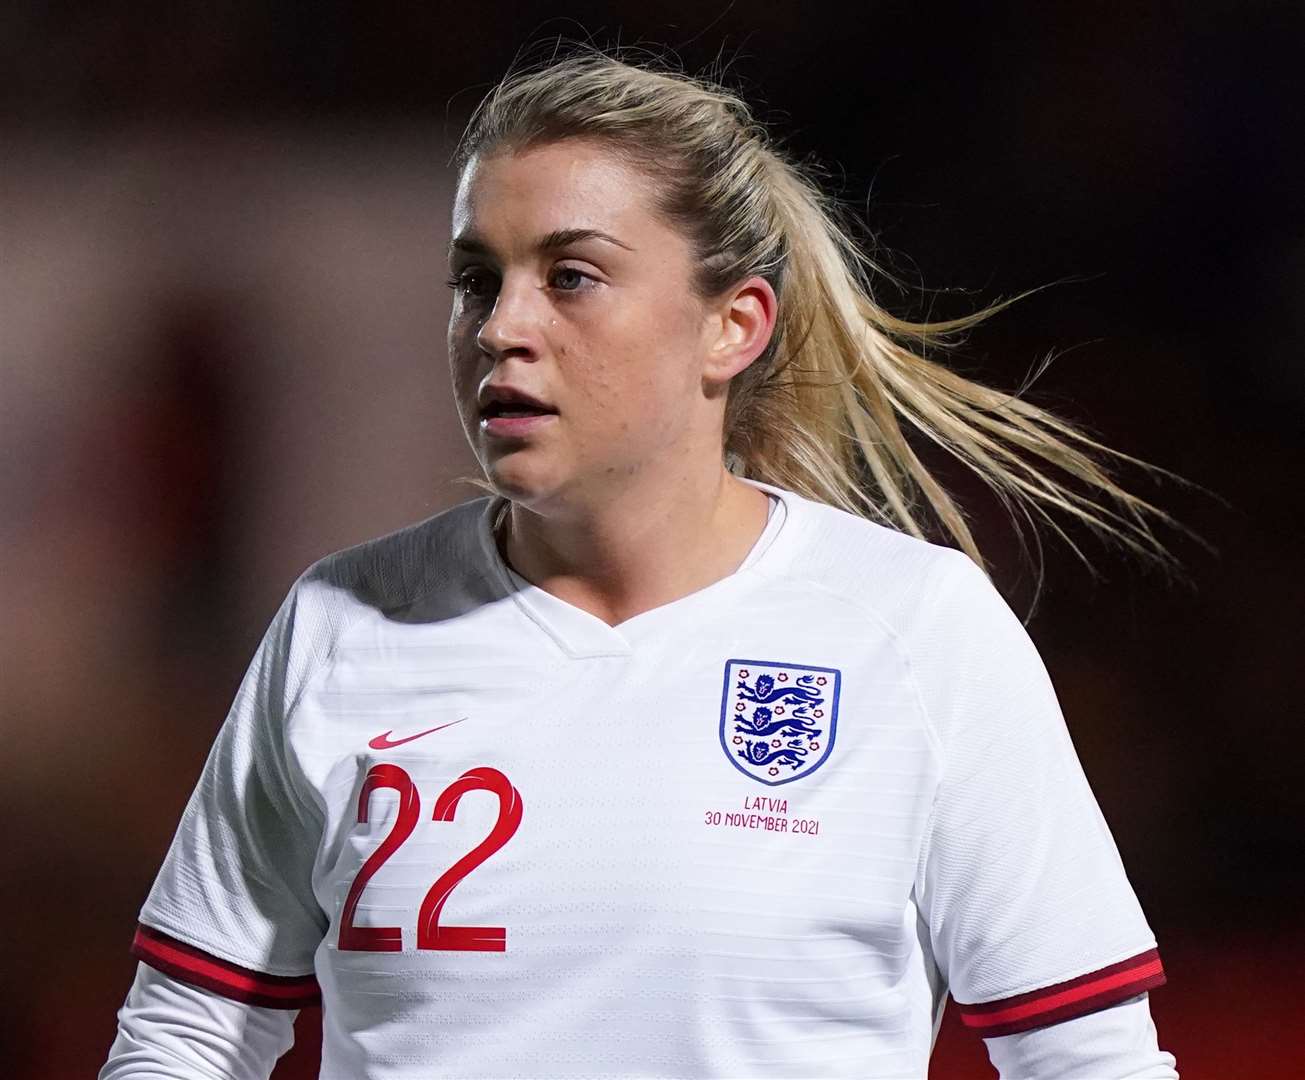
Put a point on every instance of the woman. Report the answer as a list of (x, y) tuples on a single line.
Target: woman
[(682, 752)]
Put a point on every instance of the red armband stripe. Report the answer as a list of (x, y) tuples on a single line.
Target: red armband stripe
[(193, 965), (1066, 1000)]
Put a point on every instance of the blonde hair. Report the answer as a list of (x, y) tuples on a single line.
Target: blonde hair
[(822, 410)]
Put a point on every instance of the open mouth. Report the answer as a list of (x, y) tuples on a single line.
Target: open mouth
[(496, 409), (513, 420)]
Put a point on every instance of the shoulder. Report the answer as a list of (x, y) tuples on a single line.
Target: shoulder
[(903, 581), (381, 575), (398, 567)]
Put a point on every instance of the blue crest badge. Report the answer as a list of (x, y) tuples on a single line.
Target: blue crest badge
[(777, 720)]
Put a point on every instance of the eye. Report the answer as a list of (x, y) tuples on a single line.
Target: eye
[(470, 283), (571, 279)]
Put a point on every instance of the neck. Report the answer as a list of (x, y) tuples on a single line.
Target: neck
[(639, 550)]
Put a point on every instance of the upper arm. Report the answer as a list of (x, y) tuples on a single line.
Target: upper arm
[(1032, 918), (232, 908)]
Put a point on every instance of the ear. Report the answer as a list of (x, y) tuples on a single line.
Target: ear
[(741, 324)]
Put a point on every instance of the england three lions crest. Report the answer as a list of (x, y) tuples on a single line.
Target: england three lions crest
[(777, 721)]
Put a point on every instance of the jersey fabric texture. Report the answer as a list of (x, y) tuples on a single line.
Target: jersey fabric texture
[(762, 830)]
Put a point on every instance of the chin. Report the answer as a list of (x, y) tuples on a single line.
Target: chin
[(517, 481)]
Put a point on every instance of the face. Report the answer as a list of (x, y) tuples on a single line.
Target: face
[(604, 330)]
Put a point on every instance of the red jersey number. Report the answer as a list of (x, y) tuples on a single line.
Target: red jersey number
[(430, 934)]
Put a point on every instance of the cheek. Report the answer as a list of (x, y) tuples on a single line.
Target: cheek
[(643, 356), (634, 397), (461, 335), (460, 374), (615, 372), (465, 360)]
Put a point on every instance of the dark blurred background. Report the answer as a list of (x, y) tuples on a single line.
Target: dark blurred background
[(222, 314)]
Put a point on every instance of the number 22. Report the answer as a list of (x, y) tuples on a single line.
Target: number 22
[(430, 934)]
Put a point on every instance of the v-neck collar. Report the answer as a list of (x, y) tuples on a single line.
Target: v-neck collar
[(580, 633)]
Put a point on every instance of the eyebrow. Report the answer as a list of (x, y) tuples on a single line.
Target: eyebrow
[(558, 238)]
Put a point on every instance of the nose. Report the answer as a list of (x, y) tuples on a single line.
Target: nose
[(511, 325)]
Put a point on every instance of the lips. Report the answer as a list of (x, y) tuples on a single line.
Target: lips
[(515, 427), (504, 400)]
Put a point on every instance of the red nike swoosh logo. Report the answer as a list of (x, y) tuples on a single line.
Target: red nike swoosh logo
[(384, 742)]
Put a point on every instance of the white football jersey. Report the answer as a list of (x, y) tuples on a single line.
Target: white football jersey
[(762, 830)]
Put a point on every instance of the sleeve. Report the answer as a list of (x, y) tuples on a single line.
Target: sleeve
[(232, 908), (1118, 1041), (171, 1030), (1032, 919)]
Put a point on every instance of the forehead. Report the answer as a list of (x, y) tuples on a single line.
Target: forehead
[(512, 195)]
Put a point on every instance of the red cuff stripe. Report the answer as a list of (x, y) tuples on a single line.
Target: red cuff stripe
[(1066, 1000), (192, 965)]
